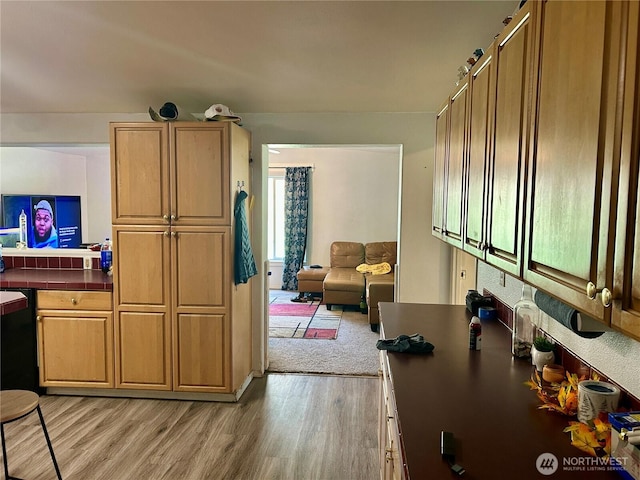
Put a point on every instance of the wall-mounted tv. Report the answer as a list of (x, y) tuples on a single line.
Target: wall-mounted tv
[(53, 221)]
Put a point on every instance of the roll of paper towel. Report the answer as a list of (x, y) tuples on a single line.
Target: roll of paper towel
[(595, 397)]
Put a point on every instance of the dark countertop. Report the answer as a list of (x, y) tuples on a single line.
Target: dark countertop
[(12, 302), (480, 396), (55, 279)]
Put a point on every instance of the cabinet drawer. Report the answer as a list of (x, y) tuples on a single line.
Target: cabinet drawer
[(74, 300)]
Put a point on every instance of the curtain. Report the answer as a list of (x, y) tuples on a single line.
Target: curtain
[(296, 213)]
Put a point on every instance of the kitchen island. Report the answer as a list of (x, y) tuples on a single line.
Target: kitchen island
[(479, 396)]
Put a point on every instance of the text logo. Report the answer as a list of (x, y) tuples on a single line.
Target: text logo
[(547, 463)]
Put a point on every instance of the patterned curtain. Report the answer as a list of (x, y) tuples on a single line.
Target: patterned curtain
[(296, 208)]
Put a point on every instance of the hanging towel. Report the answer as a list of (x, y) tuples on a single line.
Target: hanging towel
[(564, 314), (244, 263)]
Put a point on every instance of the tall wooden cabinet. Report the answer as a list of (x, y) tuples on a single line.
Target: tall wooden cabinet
[(180, 322)]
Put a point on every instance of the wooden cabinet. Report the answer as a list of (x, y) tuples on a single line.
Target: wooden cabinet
[(75, 338), (509, 114), (180, 322), (575, 150), (481, 86), (625, 315), (448, 167), (560, 184), (439, 170), (391, 465)]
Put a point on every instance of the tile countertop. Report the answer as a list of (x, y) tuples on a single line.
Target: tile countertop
[(55, 279), (12, 302)]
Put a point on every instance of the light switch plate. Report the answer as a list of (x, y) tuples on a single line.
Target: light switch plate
[(87, 263)]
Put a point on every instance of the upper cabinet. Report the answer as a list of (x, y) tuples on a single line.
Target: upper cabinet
[(150, 186), (626, 279), (513, 72), (549, 156), (481, 86), (439, 166), (575, 152), (449, 166)]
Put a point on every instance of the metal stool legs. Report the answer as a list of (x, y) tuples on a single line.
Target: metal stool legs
[(46, 436)]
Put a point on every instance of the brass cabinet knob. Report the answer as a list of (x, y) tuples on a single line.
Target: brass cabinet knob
[(606, 297), (165, 217), (173, 217), (166, 234), (174, 234), (74, 301), (592, 291), (39, 318)]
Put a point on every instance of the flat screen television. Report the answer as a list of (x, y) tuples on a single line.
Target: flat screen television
[(53, 221)]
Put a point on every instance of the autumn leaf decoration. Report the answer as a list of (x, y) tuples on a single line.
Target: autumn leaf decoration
[(559, 397), (593, 438)]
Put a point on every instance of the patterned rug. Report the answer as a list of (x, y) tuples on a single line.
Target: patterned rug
[(289, 319)]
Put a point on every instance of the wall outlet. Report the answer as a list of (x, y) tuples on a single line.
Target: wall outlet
[(502, 279), (87, 261)]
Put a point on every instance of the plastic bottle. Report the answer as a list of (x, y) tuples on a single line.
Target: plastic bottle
[(1, 260), (525, 319), (105, 256), (22, 221), (475, 334)]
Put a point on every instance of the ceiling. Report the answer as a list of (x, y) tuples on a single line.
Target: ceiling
[(255, 57)]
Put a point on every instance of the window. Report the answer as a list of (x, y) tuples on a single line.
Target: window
[(275, 206)]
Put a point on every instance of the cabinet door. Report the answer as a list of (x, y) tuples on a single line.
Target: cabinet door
[(455, 166), (440, 160), (481, 102), (143, 350), (569, 231), (75, 348), (142, 297), (139, 173), (201, 283), (201, 351), (200, 173), (626, 280), (513, 57)]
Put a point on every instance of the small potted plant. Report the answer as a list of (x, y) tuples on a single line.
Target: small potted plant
[(542, 352)]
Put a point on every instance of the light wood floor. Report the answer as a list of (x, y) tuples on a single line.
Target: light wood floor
[(298, 427)]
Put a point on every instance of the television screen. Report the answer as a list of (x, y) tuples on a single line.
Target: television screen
[(53, 221)]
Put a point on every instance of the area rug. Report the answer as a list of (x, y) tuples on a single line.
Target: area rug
[(354, 352), (289, 319)]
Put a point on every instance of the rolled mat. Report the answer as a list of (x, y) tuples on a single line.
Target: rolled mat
[(564, 314)]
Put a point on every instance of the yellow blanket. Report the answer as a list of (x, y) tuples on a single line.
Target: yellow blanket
[(375, 269)]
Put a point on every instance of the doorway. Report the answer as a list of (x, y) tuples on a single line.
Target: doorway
[(354, 196)]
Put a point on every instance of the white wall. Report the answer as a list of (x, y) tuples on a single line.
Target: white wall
[(353, 196), (614, 354), (42, 171)]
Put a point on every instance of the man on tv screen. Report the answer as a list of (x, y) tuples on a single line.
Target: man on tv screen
[(44, 231)]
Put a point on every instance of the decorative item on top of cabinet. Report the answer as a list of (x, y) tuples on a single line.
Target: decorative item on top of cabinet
[(173, 281), (75, 338), (575, 152)]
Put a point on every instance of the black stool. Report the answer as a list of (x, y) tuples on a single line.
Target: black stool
[(14, 405)]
